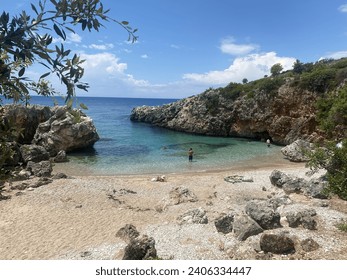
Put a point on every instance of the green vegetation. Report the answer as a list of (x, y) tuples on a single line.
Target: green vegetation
[(320, 77), (276, 69), (8, 134), (342, 227), (332, 156), (332, 117)]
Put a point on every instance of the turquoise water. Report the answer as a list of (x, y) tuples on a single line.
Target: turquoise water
[(132, 148)]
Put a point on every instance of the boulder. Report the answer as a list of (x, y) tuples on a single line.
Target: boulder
[(264, 214), (60, 157), (245, 227), (290, 184), (277, 243), (40, 169), (309, 245), (297, 151), (140, 248), (224, 223), (33, 153), (181, 194), (67, 130), (127, 233), (278, 178), (302, 217), (316, 188), (294, 185), (59, 176), (26, 119), (195, 216)]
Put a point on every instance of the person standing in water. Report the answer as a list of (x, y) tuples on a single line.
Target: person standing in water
[(190, 154), (268, 142)]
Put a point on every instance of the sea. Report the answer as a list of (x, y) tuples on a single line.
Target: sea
[(127, 147)]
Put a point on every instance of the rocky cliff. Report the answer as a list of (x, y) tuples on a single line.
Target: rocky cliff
[(50, 129), (283, 116)]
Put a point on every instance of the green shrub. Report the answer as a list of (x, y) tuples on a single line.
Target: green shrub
[(269, 85), (334, 160), (232, 90), (320, 80), (337, 172), (342, 227), (332, 113)]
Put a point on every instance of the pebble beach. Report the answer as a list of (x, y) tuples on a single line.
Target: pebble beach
[(78, 217)]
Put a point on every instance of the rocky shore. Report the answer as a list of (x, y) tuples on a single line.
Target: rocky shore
[(254, 212), (257, 213), (37, 136), (283, 117)]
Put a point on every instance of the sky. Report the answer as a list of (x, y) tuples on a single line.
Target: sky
[(187, 46)]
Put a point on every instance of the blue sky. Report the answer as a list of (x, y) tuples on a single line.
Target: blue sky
[(187, 46)]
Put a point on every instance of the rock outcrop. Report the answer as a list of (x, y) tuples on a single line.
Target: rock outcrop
[(291, 184), (50, 129), (283, 117), (66, 130), (297, 151)]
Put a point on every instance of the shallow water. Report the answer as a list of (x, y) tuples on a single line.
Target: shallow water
[(136, 148)]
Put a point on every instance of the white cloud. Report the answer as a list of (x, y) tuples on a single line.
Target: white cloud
[(251, 67), (102, 64), (343, 8), (102, 47), (70, 38), (229, 47), (335, 55), (144, 56), (75, 38)]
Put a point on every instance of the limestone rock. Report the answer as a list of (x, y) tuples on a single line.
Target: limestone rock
[(140, 248), (287, 117), (264, 214), (127, 233), (245, 227), (290, 184), (195, 216), (33, 153), (66, 130), (40, 169), (296, 151), (278, 178), (224, 223), (277, 243), (309, 245), (61, 157), (26, 119), (315, 188), (181, 195)]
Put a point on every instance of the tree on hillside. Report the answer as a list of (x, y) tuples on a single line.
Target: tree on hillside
[(27, 39), (298, 67), (276, 69)]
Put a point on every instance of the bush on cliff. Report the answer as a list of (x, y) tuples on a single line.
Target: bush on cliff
[(332, 116)]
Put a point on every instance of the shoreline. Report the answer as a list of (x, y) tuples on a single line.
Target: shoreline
[(275, 160), (78, 217)]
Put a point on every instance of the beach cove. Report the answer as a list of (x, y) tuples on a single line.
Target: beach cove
[(78, 217)]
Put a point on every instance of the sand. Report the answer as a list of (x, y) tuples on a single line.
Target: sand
[(78, 217)]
